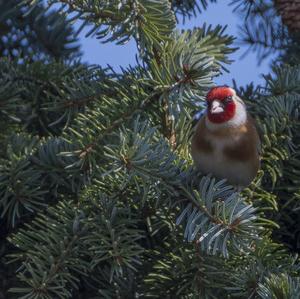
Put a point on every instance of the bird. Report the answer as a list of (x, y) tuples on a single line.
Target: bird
[(226, 143)]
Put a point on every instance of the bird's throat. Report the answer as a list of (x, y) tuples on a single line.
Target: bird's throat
[(224, 116), (234, 118)]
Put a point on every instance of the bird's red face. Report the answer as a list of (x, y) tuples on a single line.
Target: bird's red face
[(220, 104)]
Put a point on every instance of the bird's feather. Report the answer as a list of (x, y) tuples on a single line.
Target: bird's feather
[(231, 152)]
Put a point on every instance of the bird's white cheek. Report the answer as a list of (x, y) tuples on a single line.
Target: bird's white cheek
[(240, 116)]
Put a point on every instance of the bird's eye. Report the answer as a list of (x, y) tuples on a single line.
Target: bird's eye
[(228, 100)]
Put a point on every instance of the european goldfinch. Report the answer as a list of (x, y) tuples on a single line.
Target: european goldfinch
[(226, 143)]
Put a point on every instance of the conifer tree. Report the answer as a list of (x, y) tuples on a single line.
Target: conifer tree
[(99, 197)]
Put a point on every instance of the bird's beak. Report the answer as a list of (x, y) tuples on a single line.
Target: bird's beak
[(216, 107)]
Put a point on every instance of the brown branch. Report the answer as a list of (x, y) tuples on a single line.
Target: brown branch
[(80, 101), (167, 122), (231, 227), (168, 125), (58, 263), (156, 56)]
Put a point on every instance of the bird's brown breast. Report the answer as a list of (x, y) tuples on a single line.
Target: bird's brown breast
[(245, 148), (240, 149), (228, 147)]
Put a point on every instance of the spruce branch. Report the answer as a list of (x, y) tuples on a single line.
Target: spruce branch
[(189, 8), (66, 235), (61, 92), (279, 286), (265, 258), (48, 272), (35, 175), (31, 32), (280, 116), (216, 218), (20, 185), (127, 115), (96, 189), (150, 22), (184, 273), (283, 80), (141, 154), (263, 30)]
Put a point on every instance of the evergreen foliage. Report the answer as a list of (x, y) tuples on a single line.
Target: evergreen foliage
[(98, 194), (35, 33), (264, 32)]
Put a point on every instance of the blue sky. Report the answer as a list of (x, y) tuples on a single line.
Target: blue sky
[(242, 70)]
